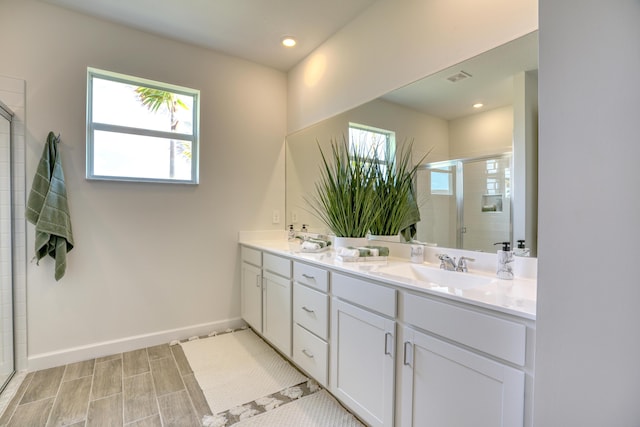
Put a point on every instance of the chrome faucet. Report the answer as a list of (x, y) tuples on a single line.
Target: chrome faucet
[(446, 262), (462, 264), (449, 264)]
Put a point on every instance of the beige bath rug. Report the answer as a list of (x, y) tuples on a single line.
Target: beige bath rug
[(239, 367)]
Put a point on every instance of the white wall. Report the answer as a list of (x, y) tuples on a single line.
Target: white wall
[(148, 257), (394, 43), (482, 134), (588, 324)]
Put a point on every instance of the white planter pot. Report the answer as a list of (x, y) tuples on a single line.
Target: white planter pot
[(396, 238), (343, 242)]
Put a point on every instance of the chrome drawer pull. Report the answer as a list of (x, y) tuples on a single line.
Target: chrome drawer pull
[(408, 353), (306, 353), (387, 337), (308, 310), (306, 276)]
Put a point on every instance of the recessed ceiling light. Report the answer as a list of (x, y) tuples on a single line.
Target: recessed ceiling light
[(478, 105), (288, 41)]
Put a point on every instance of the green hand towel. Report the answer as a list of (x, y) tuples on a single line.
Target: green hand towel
[(408, 228), (382, 250), (48, 210)]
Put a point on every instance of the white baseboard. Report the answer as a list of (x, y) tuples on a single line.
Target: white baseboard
[(40, 361)]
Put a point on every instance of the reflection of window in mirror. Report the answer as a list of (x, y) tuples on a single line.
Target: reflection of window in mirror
[(375, 143), (498, 175), (442, 182)]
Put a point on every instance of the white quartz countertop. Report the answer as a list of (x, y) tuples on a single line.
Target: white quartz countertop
[(515, 297)]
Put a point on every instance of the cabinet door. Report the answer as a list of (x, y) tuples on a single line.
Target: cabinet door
[(445, 385), (251, 296), (276, 312), (362, 365)]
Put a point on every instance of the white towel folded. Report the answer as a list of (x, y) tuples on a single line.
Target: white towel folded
[(310, 246), (347, 252)]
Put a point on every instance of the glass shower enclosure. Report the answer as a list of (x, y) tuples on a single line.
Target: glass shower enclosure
[(6, 246), (466, 203)]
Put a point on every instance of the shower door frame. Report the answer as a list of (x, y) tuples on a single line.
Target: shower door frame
[(6, 113)]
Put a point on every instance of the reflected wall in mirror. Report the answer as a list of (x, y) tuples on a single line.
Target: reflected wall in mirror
[(437, 114)]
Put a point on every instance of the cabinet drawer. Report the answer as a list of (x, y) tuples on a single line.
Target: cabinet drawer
[(252, 256), (499, 337), (277, 264), (311, 310), (367, 294), (311, 354), (311, 276)]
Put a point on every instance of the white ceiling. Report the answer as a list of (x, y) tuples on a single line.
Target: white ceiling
[(250, 29), (491, 82)]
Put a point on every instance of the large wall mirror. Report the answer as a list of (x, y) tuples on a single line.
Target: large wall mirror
[(478, 184)]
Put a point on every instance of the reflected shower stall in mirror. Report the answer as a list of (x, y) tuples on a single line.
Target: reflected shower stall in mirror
[(6, 246), (467, 201), (438, 116)]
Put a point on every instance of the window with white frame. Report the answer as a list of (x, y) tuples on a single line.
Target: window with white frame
[(442, 181), (141, 130), (374, 143)]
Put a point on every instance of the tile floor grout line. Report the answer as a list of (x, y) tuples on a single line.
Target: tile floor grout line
[(184, 384), (55, 397), (93, 376), (155, 391), (121, 389)]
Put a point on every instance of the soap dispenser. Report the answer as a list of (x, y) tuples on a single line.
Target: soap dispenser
[(522, 250), (291, 233), (504, 268)]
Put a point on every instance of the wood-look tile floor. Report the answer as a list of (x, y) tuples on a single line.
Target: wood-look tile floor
[(154, 386)]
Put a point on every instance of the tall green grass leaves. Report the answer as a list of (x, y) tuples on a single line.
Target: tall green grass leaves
[(345, 198), (394, 193)]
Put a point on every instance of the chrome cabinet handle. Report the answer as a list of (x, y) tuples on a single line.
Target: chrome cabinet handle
[(387, 335), (306, 276), (408, 353), (306, 353), (308, 310), (258, 281)]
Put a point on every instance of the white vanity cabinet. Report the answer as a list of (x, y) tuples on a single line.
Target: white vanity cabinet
[(311, 320), (363, 333), (444, 381), (276, 301), (251, 287), (395, 356)]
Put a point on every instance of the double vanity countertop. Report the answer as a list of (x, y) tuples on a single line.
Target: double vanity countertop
[(515, 297)]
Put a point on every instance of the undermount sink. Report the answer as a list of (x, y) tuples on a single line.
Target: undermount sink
[(435, 276)]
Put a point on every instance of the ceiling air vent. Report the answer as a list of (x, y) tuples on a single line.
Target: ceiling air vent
[(458, 77)]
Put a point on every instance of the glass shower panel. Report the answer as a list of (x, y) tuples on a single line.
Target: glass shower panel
[(6, 276), (436, 196), (486, 207)]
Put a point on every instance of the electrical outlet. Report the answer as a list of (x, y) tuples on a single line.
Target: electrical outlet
[(294, 217), (276, 216)]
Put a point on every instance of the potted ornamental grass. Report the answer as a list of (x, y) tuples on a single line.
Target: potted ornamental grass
[(345, 199), (358, 194)]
